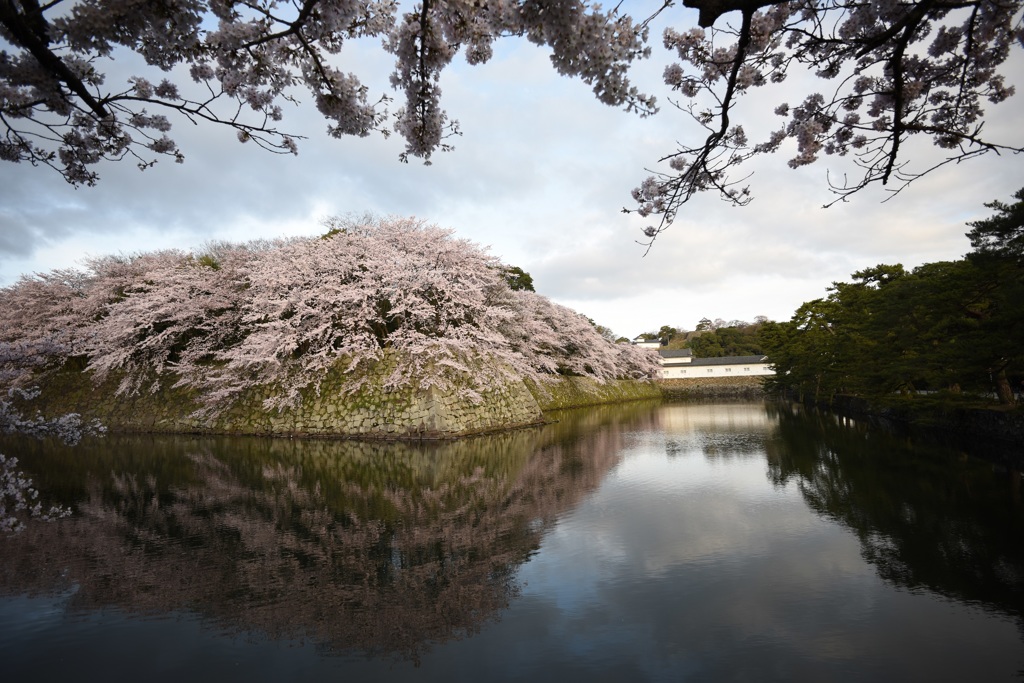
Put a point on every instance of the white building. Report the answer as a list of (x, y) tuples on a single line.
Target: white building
[(648, 343), (680, 363)]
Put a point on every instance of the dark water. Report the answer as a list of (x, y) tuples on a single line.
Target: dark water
[(736, 542)]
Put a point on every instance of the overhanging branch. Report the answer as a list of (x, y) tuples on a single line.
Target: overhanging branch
[(29, 31)]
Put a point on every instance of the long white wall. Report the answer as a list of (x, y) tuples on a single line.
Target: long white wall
[(691, 371)]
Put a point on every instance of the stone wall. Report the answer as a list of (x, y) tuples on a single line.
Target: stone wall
[(574, 392), (372, 412), (713, 387)]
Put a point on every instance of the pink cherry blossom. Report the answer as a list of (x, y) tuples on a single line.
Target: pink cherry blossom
[(285, 313)]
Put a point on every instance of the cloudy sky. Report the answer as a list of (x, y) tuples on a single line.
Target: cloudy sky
[(540, 175)]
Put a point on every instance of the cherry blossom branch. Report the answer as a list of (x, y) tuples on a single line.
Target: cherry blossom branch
[(898, 77), (35, 40), (256, 52), (293, 27)]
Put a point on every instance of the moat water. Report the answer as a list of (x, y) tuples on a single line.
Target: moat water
[(642, 542)]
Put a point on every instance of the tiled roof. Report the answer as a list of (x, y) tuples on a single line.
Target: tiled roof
[(730, 360), (675, 353)]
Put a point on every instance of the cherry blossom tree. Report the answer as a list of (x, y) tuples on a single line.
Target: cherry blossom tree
[(161, 311), (890, 71), (393, 284), (285, 313), (44, 316), (442, 303)]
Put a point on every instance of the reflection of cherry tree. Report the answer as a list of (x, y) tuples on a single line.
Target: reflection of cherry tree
[(19, 499), (283, 314), (377, 547)]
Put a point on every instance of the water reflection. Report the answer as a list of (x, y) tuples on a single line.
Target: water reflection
[(724, 430), (639, 542), (382, 548), (927, 516)]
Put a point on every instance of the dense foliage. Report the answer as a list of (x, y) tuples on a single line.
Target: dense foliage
[(283, 313), (731, 340), (713, 338), (951, 326), (896, 70)]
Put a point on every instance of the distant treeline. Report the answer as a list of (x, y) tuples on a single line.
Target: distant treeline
[(955, 327), (714, 338)]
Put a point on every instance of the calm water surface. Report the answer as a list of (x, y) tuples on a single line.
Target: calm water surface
[(672, 542)]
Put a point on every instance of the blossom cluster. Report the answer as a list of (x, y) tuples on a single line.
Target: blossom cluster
[(246, 59), (900, 69), (284, 313)]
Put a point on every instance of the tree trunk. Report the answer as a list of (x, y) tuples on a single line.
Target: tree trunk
[(1003, 389)]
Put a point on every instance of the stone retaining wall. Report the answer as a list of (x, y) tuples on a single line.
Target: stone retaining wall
[(374, 412), (713, 387), (574, 392)]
